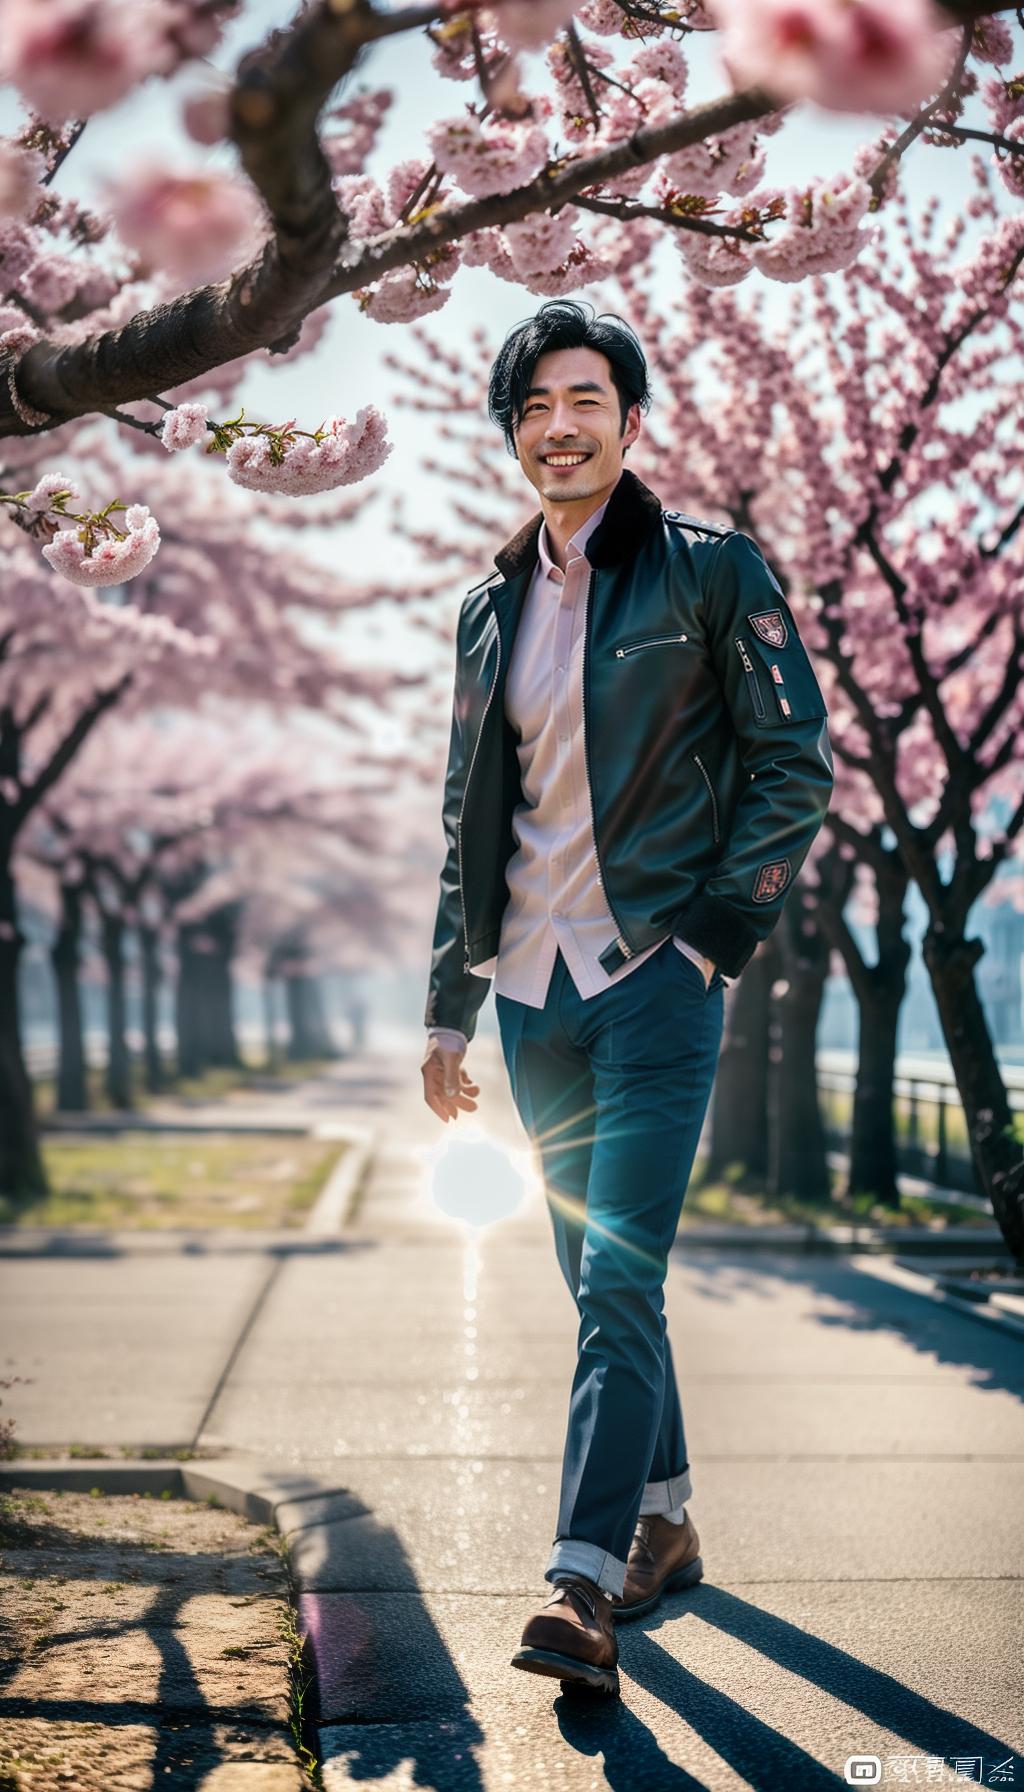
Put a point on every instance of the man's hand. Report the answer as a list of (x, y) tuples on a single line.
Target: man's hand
[(447, 1088)]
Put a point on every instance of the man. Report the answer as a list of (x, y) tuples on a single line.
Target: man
[(638, 765)]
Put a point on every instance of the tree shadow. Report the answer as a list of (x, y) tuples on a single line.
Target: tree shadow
[(182, 1720), (865, 1304)]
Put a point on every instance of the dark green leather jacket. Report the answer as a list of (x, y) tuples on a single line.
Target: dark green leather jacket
[(706, 746)]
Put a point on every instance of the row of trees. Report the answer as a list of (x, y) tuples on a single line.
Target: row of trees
[(837, 443)]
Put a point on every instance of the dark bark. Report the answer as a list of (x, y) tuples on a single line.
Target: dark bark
[(118, 1078), (268, 1023), (998, 1158), (797, 1148), (308, 1034), (873, 1167), (149, 947), (65, 956), (739, 1114), (189, 1002), (21, 1166), (879, 990), (204, 1002)]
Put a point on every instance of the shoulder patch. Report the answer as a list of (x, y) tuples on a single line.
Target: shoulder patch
[(771, 626), (772, 878), (696, 522)]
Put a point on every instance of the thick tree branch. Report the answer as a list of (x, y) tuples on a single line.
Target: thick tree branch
[(64, 753), (278, 96)]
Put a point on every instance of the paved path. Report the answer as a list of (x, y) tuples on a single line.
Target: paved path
[(858, 1463)]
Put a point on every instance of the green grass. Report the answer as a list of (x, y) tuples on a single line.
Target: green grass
[(212, 1085), (739, 1202), (176, 1180)]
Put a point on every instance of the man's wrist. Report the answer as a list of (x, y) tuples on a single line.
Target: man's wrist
[(448, 1038)]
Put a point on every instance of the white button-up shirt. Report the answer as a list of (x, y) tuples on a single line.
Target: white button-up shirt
[(556, 902)]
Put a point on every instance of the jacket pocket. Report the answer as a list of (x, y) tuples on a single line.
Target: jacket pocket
[(705, 774), (651, 641), (750, 671), (781, 681)]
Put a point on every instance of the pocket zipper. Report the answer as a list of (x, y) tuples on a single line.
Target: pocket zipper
[(655, 641), (702, 768), (753, 686)]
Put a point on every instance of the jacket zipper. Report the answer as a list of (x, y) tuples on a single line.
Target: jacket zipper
[(655, 641), (620, 939), (699, 763), (748, 667), (465, 793)]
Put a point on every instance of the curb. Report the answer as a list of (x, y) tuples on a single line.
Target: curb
[(920, 1281), (254, 1492), (334, 1205)]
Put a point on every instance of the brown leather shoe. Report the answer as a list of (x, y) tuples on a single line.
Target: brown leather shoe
[(572, 1638), (662, 1558)]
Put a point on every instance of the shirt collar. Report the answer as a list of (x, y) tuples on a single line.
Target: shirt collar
[(576, 544)]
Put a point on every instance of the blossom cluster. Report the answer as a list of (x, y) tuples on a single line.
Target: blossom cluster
[(265, 457), (87, 547), (71, 58)]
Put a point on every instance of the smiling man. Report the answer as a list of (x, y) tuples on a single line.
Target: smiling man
[(638, 765)]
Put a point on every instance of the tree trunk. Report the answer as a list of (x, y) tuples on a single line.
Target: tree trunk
[(308, 1036), (797, 1149), (65, 957), (221, 1044), (739, 1112), (873, 1138), (188, 1002), (119, 1083), (21, 1166), (149, 945), (269, 1023), (998, 1158)]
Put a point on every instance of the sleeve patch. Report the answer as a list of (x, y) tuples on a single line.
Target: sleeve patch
[(770, 625), (771, 880)]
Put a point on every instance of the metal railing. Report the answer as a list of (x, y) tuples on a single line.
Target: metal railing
[(930, 1122)]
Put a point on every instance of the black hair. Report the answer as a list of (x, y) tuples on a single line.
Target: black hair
[(563, 323)]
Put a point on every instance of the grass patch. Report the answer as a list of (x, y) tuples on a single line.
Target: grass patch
[(177, 1180), (736, 1201), (213, 1085)]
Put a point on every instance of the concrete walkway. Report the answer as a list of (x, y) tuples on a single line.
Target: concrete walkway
[(858, 1466)]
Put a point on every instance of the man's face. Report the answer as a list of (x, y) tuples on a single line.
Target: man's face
[(572, 411)]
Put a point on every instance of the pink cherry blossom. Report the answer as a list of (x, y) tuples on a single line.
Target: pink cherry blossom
[(491, 158), (206, 116), (347, 453), (529, 24), (111, 561), (822, 229), (49, 487), (194, 226), (847, 55), (20, 172), (184, 426), (540, 243), (71, 58)]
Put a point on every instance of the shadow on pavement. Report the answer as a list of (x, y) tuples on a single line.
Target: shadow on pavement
[(949, 1338), (182, 1721)]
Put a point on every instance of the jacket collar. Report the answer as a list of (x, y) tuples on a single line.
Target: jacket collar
[(631, 514)]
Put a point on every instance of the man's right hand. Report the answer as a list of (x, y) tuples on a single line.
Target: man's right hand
[(447, 1088)]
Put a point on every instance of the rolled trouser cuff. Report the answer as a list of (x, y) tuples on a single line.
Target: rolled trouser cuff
[(666, 1496), (571, 1557)]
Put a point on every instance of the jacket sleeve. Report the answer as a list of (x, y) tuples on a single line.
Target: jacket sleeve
[(779, 717), (454, 995)]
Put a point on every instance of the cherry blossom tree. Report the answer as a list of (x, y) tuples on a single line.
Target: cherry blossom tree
[(508, 182), (224, 613)]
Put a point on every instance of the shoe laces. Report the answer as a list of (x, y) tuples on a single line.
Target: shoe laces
[(573, 1590)]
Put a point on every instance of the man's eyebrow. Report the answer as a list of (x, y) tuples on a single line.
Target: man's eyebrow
[(582, 386)]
